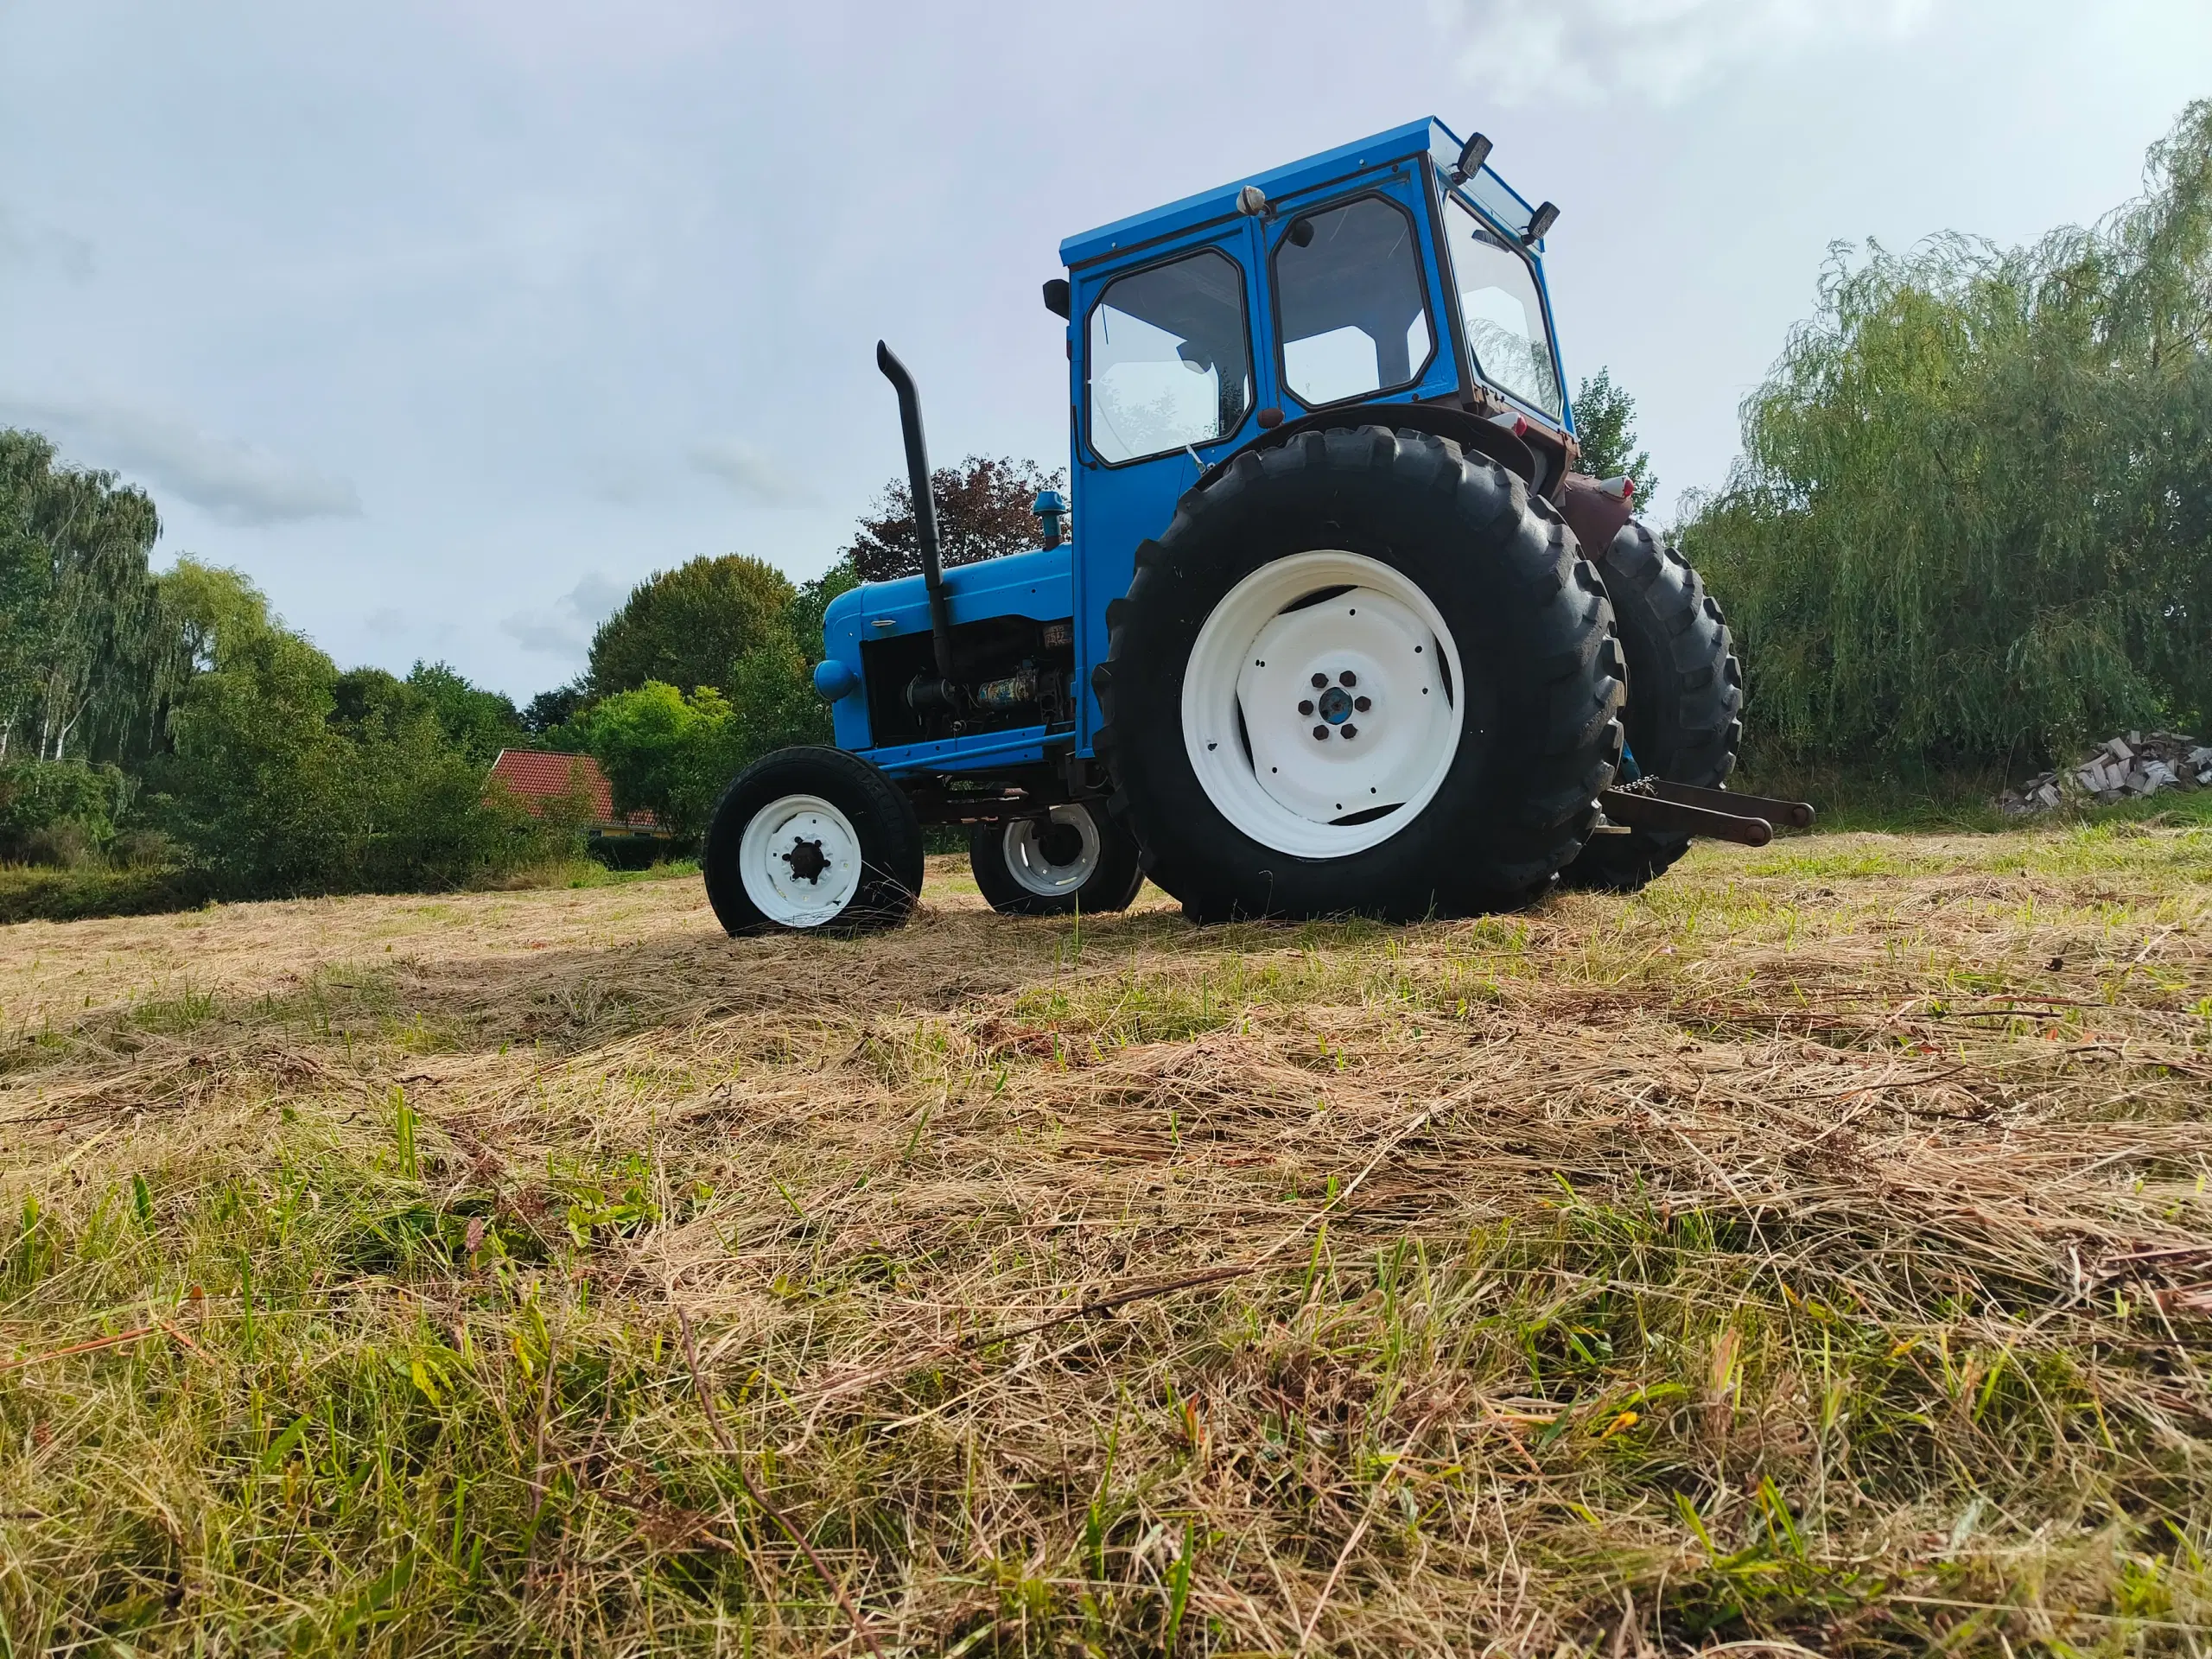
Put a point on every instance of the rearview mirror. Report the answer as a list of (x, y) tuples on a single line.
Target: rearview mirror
[(1055, 296)]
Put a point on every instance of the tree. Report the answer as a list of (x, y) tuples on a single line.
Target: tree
[(1973, 513), (983, 509), (479, 723), (287, 777), (1604, 423), (684, 627), (667, 753), (87, 654), (549, 709)]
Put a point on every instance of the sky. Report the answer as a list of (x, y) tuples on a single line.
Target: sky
[(448, 321)]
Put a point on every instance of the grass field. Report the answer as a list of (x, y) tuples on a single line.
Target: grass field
[(1815, 1251)]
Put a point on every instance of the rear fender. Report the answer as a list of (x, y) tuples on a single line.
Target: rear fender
[(1471, 432)]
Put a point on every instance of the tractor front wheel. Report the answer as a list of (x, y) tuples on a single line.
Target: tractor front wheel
[(812, 837), (1363, 672), (1077, 862)]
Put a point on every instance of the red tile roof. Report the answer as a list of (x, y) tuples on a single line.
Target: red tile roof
[(536, 776)]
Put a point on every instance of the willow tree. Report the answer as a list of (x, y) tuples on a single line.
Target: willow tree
[(88, 654), (1973, 512)]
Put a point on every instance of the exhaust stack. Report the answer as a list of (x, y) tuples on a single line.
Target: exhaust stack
[(943, 693)]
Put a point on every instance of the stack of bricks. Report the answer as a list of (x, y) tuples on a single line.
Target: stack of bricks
[(2122, 768)]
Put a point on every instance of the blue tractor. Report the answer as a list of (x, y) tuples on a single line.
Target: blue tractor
[(1336, 625)]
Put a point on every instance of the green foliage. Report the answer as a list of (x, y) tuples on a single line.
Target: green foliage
[(288, 777), (1974, 515), (686, 626), (1605, 422), (479, 723), (550, 709), (58, 812), (86, 653), (667, 753), (670, 749)]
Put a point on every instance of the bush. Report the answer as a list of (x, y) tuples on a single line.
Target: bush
[(665, 752), (289, 777), (58, 812)]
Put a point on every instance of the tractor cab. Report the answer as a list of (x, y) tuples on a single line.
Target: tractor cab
[(1400, 269), (1337, 625)]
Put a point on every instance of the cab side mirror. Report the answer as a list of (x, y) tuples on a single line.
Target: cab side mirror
[(1055, 296)]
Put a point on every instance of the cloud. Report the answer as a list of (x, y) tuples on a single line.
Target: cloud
[(1585, 51), (236, 483), (27, 246), (756, 478), (564, 629)]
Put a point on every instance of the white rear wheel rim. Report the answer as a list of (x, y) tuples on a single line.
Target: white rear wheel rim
[(1026, 845), (800, 861), (1251, 705)]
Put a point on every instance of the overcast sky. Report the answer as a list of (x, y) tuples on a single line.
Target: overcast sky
[(448, 321)]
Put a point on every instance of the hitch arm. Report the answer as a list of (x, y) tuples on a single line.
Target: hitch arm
[(1749, 820)]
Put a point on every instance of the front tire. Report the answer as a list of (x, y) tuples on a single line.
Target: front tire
[(1078, 861), (1360, 584), (1685, 698), (811, 837)]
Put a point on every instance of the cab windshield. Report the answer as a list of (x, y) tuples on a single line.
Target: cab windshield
[(1503, 313)]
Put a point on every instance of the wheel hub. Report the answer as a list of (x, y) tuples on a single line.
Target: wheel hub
[(1060, 844), (1056, 856), (1336, 712), (800, 861), (806, 859)]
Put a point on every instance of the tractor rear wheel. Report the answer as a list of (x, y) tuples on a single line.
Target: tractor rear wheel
[(1078, 861), (1361, 672), (812, 837), (1685, 697)]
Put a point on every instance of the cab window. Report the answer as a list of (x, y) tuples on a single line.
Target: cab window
[(1501, 312), (1350, 301), (1170, 359)]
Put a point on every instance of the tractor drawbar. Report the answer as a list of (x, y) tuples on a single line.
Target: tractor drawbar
[(1655, 804)]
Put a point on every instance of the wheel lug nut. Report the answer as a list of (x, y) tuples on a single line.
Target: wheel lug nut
[(1352, 731), (1305, 706), (1347, 678), (1320, 680), (1363, 703), (1321, 732)]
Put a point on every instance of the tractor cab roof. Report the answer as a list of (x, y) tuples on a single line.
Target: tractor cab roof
[(1496, 198)]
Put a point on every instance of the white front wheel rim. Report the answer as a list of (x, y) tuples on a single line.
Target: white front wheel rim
[(1321, 704), (1029, 846), (800, 861)]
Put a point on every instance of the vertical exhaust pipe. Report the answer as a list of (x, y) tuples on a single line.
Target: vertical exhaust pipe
[(917, 483)]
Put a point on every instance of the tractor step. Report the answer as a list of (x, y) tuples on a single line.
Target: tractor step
[(1749, 820)]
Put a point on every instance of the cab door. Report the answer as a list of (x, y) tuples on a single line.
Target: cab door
[(1353, 297), (1165, 385)]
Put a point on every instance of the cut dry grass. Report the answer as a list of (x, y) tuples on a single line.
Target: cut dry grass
[(1814, 1249)]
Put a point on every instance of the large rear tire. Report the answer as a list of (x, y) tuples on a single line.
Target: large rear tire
[(811, 837), (1079, 862), (1363, 672), (1685, 697)]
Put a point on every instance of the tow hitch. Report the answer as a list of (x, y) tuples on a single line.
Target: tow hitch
[(1655, 804)]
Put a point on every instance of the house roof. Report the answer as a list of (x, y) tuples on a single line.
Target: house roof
[(537, 776)]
